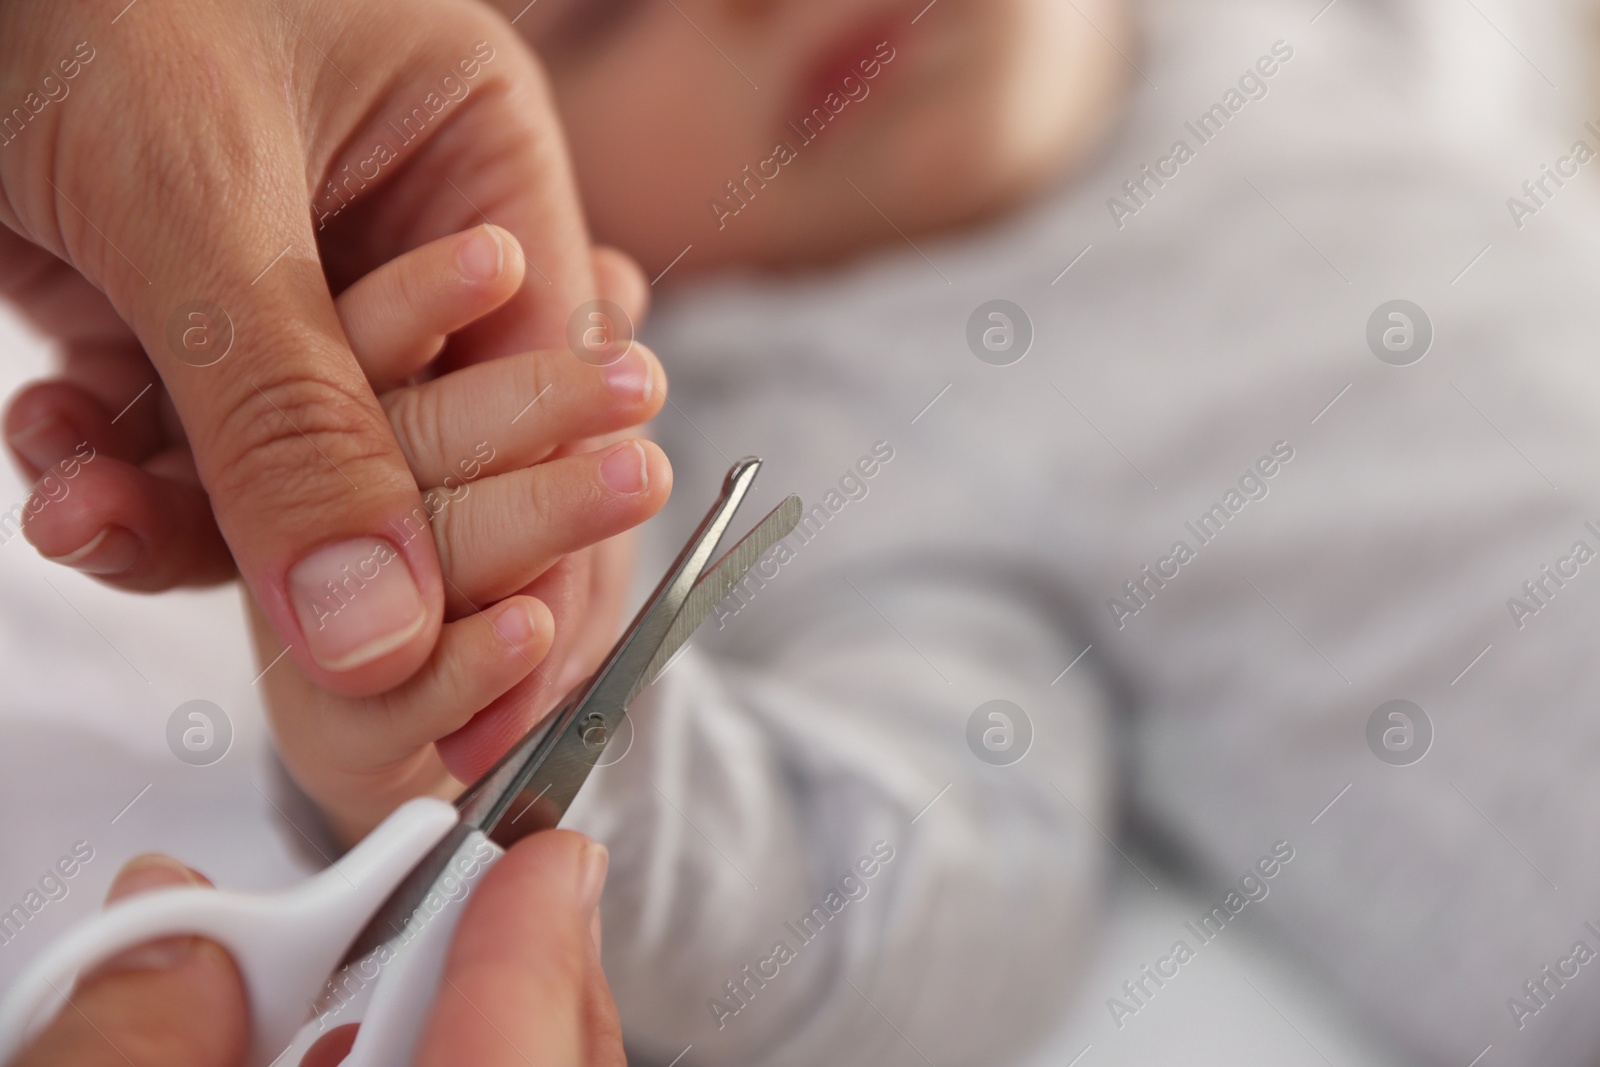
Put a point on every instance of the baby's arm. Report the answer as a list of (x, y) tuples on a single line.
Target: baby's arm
[(762, 774), (505, 496)]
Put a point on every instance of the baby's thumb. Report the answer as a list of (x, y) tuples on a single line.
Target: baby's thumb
[(177, 1002)]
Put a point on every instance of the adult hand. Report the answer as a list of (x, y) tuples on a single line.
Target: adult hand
[(194, 179), (523, 983)]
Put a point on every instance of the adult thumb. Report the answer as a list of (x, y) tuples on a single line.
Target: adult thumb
[(203, 241), (178, 1002), (522, 981)]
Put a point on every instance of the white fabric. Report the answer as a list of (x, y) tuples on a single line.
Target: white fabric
[(1219, 321), (1241, 1000), (91, 678)]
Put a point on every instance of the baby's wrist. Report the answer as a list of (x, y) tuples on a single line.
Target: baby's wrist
[(353, 804)]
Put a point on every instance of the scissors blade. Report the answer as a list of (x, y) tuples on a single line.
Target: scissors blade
[(715, 584), (531, 786), (545, 771)]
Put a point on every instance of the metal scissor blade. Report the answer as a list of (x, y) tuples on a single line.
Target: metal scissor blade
[(719, 581), (532, 784), (553, 765)]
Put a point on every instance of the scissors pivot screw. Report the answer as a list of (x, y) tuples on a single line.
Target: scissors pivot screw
[(594, 730)]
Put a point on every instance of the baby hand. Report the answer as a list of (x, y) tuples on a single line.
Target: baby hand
[(497, 450)]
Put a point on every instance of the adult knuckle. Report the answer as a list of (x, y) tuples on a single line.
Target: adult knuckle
[(503, 63), (295, 433)]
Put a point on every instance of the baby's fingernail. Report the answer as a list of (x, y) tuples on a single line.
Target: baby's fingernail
[(624, 470), (482, 256), (113, 550), (592, 874), (356, 601), (44, 443), (630, 378), (515, 623)]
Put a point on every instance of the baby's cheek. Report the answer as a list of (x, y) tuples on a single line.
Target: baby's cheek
[(954, 118)]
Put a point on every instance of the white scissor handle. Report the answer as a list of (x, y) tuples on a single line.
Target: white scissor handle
[(285, 943), (394, 1006)]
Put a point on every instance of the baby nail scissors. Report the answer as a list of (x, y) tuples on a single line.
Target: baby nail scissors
[(380, 919)]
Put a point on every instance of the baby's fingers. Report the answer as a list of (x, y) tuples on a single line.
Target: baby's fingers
[(478, 658), (498, 534), (619, 280), (514, 411), (397, 317)]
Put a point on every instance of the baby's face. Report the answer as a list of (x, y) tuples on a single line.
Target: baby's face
[(938, 114)]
